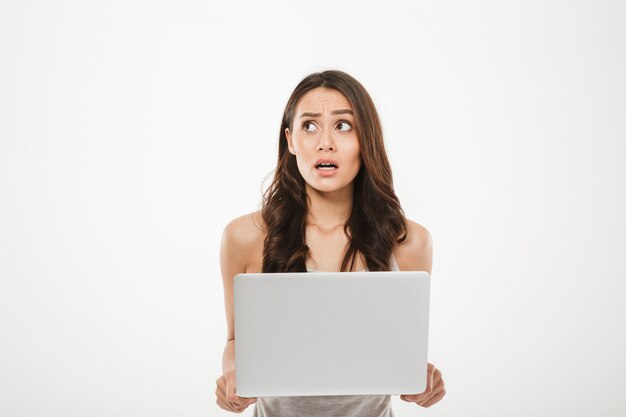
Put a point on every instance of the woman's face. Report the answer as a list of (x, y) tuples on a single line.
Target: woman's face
[(324, 140)]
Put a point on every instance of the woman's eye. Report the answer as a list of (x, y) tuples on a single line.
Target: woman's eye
[(346, 125), (306, 125)]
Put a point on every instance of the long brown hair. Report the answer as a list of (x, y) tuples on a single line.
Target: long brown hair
[(376, 223)]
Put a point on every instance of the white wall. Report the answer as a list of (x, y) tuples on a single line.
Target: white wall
[(132, 132)]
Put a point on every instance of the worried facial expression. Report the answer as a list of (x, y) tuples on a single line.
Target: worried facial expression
[(324, 140)]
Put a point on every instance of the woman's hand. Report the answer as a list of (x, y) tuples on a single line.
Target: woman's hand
[(226, 394), (434, 389)]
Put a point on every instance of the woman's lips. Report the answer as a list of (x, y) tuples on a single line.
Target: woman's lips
[(326, 167), (326, 172)]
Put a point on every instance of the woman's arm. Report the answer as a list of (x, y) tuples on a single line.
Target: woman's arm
[(231, 263), (234, 258), (416, 254)]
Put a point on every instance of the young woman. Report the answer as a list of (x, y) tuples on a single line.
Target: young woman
[(330, 207)]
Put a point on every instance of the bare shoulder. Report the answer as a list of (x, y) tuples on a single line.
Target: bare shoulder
[(416, 252), (242, 237), (245, 229), (240, 251)]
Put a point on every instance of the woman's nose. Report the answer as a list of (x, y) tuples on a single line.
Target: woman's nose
[(326, 143)]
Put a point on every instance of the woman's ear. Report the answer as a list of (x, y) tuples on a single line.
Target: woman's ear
[(289, 143)]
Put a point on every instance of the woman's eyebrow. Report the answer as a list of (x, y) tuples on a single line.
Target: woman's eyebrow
[(340, 111)]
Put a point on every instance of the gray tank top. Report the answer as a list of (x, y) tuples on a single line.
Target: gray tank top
[(326, 405)]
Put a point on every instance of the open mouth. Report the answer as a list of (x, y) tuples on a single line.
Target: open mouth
[(326, 166)]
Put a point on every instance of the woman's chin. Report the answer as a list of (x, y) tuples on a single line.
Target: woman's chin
[(326, 188)]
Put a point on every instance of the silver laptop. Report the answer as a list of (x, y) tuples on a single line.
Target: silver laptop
[(331, 333)]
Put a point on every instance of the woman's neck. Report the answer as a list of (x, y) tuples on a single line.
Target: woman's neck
[(328, 211)]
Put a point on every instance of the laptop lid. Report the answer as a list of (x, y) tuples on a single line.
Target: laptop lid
[(331, 333)]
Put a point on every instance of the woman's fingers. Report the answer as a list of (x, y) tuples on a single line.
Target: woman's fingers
[(245, 402), (240, 402), (431, 376), (228, 399), (430, 373), (220, 393), (227, 407), (434, 399), (223, 402), (232, 397), (434, 389), (426, 397)]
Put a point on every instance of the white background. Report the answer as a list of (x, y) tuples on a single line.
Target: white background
[(132, 132)]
